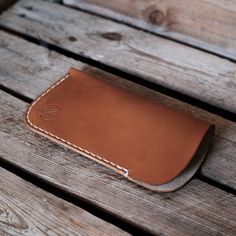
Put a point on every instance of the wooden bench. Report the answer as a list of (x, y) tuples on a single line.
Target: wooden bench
[(40, 41)]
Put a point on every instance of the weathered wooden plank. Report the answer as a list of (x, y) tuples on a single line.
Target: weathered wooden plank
[(190, 71), (205, 24), (30, 69), (28, 210), (196, 209)]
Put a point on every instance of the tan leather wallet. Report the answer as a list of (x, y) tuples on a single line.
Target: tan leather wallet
[(151, 144)]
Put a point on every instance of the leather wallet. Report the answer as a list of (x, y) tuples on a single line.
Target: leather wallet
[(151, 144)]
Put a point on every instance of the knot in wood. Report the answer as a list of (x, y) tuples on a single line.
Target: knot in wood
[(113, 36), (156, 17)]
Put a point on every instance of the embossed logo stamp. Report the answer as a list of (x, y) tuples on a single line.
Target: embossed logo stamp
[(50, 113)]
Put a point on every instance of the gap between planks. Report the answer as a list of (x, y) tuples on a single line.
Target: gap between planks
[(26, 209), (189, 71), (89, 208), (131, 77), (207, 25)]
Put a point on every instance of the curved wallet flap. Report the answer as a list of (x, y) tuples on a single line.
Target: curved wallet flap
[(149, 143)]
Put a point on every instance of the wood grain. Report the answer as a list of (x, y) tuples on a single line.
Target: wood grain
[(196, 209), (178, 67), (31, 69), (209, 25), (28, 210)]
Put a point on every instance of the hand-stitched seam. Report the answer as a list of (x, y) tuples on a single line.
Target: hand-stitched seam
[(63, 140)]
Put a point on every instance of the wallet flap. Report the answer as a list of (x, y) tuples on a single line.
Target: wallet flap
[(147, 142)]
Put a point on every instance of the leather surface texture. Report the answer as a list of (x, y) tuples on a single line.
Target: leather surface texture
[(149, 143)]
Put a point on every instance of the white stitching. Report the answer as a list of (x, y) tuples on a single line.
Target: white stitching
[(126, 172)]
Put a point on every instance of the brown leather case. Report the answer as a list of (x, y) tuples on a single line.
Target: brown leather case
[(149, 143)]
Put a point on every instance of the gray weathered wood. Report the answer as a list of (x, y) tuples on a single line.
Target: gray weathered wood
[(28, 210), (206, 24), (190, 71), (196, 209), (30, 69)]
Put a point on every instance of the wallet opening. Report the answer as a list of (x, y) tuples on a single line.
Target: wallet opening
[(188, 172)]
